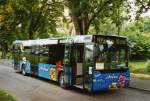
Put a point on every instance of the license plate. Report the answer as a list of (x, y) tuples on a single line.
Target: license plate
[(113, 86)]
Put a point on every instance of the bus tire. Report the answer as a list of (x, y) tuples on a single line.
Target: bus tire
[(23, 70), (61, 81)]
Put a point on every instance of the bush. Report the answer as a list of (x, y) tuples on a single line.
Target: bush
[(148, 66), (9, 55), (5, 96), (132, 67), (139, 67)]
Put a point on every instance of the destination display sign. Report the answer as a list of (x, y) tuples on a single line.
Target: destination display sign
[(112, 40)]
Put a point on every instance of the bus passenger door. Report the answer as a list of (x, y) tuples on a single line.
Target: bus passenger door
[(88, 65), (67, 65)]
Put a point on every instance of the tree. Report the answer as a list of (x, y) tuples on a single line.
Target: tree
[(84, 12), (36, 18), (138, 33), (27, 19), (5, 27), (143, 6)]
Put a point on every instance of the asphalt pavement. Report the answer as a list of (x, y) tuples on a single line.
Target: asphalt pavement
[(141, 84), (29, 88)]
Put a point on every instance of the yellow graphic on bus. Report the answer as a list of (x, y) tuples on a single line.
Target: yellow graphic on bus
[(53, 74)]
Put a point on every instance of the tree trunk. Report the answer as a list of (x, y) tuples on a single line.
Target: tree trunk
[(4, 50), (77, 25), (76, 16), (30, 35), (81, 24), (3, 54), (86, 24), (80, 17)]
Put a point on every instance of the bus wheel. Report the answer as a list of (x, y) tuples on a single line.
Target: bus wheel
[(61, 81), (24, 70)]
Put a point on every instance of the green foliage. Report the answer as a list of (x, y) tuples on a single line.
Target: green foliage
[(86, 13), (5, 97), (139, 67), (105, 27), (142, 7), (148, 66), (138, 33), (36, 18), (27, 19), (111, 20)]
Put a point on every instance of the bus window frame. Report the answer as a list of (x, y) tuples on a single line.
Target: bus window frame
[(126, 57)]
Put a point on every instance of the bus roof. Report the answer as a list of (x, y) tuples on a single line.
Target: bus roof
[(36, 42), (70, 39)]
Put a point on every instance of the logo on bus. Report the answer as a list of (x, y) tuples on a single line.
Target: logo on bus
[(43, 69), (111, 77)]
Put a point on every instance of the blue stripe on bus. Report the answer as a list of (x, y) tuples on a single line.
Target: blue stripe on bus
[(47, 71), (44, 70)]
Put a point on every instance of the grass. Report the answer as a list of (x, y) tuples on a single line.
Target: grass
[(5, 96), (140, 76), (138, 67)]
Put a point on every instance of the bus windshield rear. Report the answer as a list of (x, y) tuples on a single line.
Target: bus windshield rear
[(110, 56)]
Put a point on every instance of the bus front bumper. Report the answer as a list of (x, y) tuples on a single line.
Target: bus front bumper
[(110, 81)]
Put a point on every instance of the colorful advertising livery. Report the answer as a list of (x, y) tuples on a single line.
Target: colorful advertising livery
[(90, 62)]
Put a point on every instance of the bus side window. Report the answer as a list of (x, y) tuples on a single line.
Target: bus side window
[(52, 57), (27, 51), (45, 53), (32, 50), (78, 54), (44, 56), (36, 52), (56, 53)]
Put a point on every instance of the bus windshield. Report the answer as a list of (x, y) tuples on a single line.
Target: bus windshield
[(110, 56)]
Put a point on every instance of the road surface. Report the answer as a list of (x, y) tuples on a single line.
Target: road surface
[(26, 88)]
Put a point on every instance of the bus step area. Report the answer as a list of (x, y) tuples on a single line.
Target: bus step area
[(79, 86)]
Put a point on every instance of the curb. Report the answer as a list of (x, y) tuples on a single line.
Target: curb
[(140, 89)]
